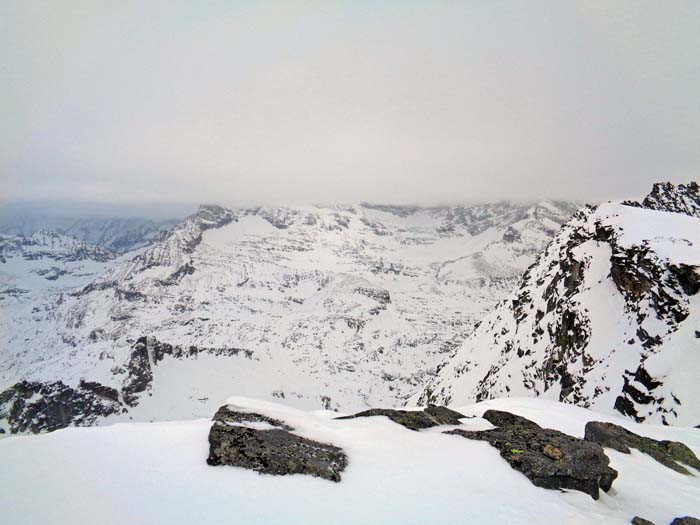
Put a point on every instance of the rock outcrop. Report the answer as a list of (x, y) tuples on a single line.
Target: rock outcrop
[(686, 520), (668, 453), (414, 419), (266, 445), (665, 196), (43, 407), (549, 458)]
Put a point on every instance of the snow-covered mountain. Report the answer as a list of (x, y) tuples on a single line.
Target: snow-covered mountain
[(45, 261), (116, 234), (607, 318), (334, 307)]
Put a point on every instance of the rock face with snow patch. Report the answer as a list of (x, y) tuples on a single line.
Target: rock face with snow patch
[(602, 319), (549, 458), (266, 445), (669, 453)]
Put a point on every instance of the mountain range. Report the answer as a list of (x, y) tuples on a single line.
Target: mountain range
[(324, 307)]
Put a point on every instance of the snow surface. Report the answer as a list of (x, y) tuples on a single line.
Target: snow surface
[(153, 473)]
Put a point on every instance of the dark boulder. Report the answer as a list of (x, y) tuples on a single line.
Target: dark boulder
[(274, 450), (414, 419), (641, 521), (549, 458), (668, 453), (686, 520)]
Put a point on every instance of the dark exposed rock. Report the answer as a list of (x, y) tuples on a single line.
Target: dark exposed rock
[(160, 349), (106, 392), (140, 375), (512, 235), (641, 521), (684, 198), (533, 450), (148, 351), (179, 274), (43, 407), (686, 520), (414, 420), (668, 453), (270, 451)]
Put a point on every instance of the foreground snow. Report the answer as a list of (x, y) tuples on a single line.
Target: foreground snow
[(156, 473)]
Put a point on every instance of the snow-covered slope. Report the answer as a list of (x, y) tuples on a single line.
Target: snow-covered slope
[(607, 318), (46, 261), (335, 307), (156, 473)]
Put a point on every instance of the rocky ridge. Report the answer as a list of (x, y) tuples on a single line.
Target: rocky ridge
[(600, 320)]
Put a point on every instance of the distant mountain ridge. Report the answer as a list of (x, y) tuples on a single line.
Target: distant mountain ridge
[(116, 234)]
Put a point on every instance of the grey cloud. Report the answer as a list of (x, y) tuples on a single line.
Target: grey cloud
[(347, 101)]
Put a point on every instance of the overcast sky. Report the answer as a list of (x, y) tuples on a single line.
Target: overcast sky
[(323, 101)]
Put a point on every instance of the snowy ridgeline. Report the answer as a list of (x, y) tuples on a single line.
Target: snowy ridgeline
[(607, 318), (157, 473), (335, 307)]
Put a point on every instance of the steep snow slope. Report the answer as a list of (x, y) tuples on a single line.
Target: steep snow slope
[(608, 318), (338, 307), (156, 473)]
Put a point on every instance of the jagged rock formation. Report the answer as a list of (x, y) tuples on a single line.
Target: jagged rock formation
[(549, 458), (415, 419), (343, 307), (602, 319), (665, 196), (668, 453), (269, 446)]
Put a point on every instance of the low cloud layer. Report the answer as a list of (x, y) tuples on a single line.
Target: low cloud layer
[(421, 102)]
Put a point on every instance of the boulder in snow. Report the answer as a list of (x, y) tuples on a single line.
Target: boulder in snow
[(267, 445), (415, 419), (549, 458), (668, 453)]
